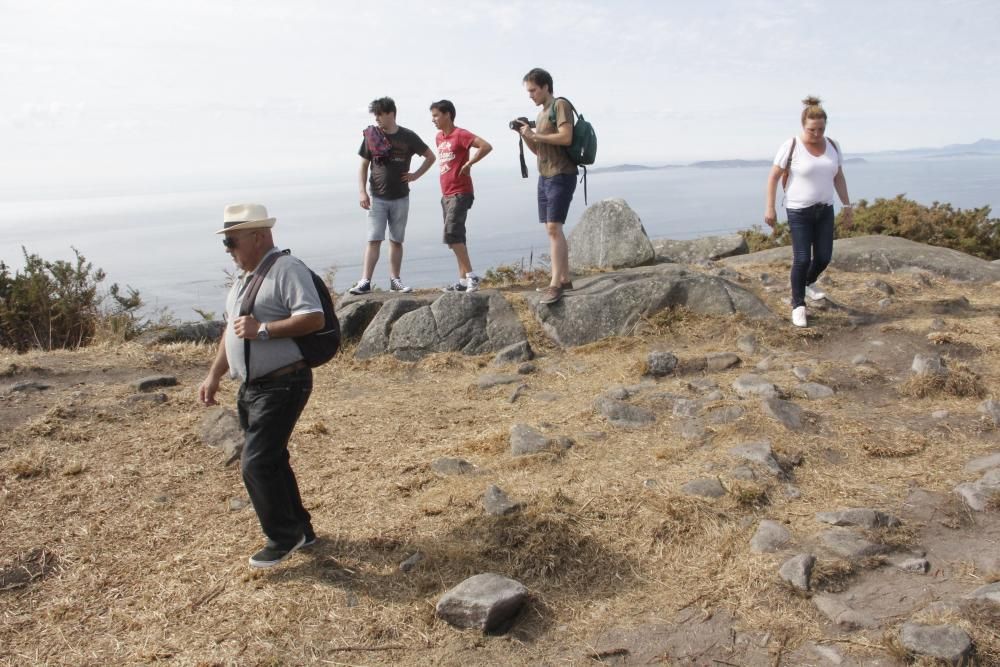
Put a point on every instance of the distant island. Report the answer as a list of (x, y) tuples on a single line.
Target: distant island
[(980, 148)]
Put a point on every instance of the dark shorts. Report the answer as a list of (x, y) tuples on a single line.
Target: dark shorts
[(456, 210), (555, 194)]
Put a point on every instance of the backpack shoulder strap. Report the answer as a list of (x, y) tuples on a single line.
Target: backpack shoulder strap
[(552, 110), (788, 162), (250, 295), (835, 146)]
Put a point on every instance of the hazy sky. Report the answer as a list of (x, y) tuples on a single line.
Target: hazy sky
[(161, 92)]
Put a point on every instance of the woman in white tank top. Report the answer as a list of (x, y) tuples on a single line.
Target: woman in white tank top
[(810, 168)]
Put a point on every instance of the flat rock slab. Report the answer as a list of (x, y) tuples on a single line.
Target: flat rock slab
[(497, 503), (864, 517), (697, 250), (613, 304), (609, 235), (625, 415), (487, 602), (154, 382), (375, 340), (491, 380), (726, 414), (514, 354), (888, 254), (841, 614), (525, 439), (949, 643), (983, 463), (759, 453), (928, 364), (750, 384), (28, 386), (188, 332), (220, 428), (770, 537), (720, 361), (784, 412), (453, 466), (706, 487), (989, 592), (978, 495), (797, 570), (814, 391), (848, 544)]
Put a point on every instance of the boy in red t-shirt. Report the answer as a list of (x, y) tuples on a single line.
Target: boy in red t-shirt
[(453, 144)]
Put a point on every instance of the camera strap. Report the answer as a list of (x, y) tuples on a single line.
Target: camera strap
[(524, 166)]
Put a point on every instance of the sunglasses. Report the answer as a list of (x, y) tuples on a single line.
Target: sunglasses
[(230, 242)]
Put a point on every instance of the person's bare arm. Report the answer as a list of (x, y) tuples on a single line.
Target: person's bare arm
[(429, 158), (770, 215), (483, 149), (365, 200), (210, 385), (296, 325), (563, 135), (840, 185)]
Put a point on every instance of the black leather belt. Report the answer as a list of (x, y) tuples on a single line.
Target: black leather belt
[(284, 370)]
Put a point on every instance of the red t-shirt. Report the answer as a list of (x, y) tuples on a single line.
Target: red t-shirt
[(453, 153)]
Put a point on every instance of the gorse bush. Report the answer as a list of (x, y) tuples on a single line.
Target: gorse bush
[(971, 231), (57, 304)]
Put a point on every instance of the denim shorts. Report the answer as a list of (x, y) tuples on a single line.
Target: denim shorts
[(456, 210), (391, 213), (555, 194)]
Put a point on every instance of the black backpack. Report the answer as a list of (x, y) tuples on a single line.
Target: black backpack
[(317, 347)]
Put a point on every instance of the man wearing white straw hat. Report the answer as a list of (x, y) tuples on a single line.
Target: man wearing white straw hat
[(258, 348)]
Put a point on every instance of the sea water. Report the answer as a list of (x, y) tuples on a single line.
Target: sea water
[(163, 244)]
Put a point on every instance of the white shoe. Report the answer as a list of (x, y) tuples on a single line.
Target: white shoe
[(799, 316), (814, 293)]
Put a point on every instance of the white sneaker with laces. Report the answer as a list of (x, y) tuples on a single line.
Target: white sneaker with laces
[(814, 293), (471, 282), (363, 287), (396, 285), (799, 316)]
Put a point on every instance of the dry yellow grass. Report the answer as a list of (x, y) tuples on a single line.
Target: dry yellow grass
[(120, 520)]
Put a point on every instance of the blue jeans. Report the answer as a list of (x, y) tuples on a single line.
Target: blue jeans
[(268, 411), (812, 246)]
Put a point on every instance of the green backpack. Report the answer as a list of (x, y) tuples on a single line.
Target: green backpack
[(583, 150)]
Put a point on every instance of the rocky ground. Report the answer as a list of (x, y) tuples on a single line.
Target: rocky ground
[(708, 489)]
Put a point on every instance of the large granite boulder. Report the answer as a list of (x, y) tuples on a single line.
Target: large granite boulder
[(611, 304), (375, 340), (697, 250), (477, 323), (889, 254), (354, 317), (609, 236)]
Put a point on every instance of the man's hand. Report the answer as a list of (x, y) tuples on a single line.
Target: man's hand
[(206, 392), (410, 177), (464, 171), (246, 327), (526, 132), (365, 201)]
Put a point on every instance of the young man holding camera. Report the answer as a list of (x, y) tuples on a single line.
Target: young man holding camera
[(556, 173), (453, 144)]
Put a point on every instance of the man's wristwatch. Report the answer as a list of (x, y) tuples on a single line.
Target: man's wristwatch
[(262, 332)]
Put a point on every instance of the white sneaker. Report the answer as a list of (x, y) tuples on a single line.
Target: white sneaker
[(471, 282), (814, 293), (396, 285), (799, 316), (363, 287)]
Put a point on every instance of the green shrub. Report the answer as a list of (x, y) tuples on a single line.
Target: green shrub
[(971, 231), (53, 305)]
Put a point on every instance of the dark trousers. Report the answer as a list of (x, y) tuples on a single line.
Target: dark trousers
[(268, 411), (812, 246)]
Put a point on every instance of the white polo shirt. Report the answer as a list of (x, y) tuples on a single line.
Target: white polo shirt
[(810, 179), (287, 290)]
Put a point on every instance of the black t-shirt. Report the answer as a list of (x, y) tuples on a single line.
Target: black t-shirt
[(387, 178)]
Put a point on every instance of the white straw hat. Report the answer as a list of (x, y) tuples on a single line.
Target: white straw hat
[(245, 216)]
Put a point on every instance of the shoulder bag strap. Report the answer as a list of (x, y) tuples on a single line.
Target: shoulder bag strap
[(250, 295)]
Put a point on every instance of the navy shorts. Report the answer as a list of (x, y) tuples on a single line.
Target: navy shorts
[(555, 193), (456, 210)]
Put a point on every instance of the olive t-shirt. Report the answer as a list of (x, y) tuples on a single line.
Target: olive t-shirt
[(552, 159), (387, 178)]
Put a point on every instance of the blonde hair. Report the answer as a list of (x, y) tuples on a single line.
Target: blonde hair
[(812, 110)]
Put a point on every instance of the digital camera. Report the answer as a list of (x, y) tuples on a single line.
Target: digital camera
[(517, 122)]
